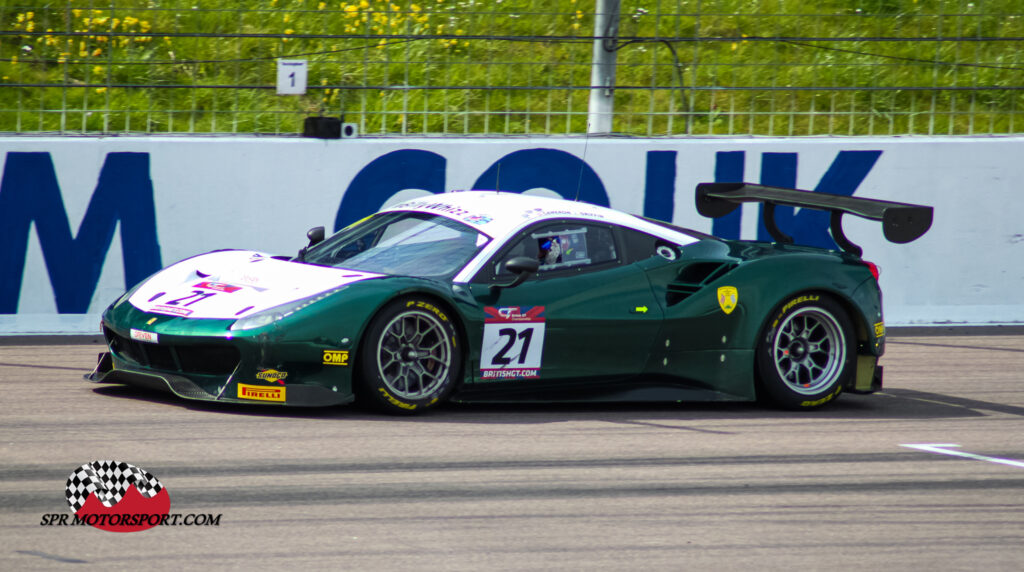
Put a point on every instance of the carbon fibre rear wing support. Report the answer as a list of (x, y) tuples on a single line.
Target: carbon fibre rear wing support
[(901, 222)]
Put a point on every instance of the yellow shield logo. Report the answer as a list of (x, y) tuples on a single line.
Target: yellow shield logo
[(727, 298)]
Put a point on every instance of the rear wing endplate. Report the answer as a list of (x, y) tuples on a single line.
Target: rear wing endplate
[(901, 222)]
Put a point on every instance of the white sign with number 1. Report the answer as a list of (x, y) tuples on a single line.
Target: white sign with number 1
[(291, 77)]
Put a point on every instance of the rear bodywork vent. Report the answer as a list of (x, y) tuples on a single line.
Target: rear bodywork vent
[(693, 277)]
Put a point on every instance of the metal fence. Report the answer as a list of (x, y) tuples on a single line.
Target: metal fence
[(515, 67)]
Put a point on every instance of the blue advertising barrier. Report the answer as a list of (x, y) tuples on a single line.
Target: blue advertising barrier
[(128, 197)]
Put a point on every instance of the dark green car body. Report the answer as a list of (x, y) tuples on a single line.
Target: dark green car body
[(682, 322)]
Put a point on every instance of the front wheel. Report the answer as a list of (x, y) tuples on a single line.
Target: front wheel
[(409, 357), (805, 354)]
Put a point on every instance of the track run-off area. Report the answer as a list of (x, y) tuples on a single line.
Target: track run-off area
[(928, 474)]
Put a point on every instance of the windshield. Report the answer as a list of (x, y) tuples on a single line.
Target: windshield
[(405, 243)]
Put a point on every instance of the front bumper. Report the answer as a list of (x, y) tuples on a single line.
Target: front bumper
[(112, 369), (203, 360)]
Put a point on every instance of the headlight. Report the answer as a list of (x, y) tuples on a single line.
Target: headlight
[(271, 315)]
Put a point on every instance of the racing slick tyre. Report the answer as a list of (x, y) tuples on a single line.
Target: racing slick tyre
[(409, 359), (806, 353)]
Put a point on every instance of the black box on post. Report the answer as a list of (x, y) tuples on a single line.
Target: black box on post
[(322, 127)]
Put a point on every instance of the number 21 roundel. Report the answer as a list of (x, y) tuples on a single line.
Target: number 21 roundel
[(513, 342)]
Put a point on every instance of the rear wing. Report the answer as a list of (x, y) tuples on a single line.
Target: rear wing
[(901, 222)]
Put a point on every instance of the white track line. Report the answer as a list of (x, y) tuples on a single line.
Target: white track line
[(941, 448)]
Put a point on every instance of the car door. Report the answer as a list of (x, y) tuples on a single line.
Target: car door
[(585, 315)]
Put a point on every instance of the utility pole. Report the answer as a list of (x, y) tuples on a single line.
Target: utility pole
[(602, 72)]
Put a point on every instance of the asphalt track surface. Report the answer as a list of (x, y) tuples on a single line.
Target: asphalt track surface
[(609, 487)]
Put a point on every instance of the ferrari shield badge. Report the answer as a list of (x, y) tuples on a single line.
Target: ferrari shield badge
[(727, 297)]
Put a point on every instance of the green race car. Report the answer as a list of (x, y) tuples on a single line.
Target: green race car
[(503, 297)]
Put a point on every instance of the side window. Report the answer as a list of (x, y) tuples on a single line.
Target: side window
[(641, 246), (563, 246)]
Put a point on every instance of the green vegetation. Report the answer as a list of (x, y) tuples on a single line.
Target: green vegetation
[(717, 67)]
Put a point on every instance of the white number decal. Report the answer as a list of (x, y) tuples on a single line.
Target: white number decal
[(513, 343)]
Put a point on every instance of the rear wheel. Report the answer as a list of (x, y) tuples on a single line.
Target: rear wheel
[(806, 353), (409, 357)]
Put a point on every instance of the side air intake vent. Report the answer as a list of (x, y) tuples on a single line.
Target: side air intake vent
[(693, 277)]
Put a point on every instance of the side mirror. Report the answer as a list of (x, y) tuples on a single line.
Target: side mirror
[(522, 267), (315, 235)]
